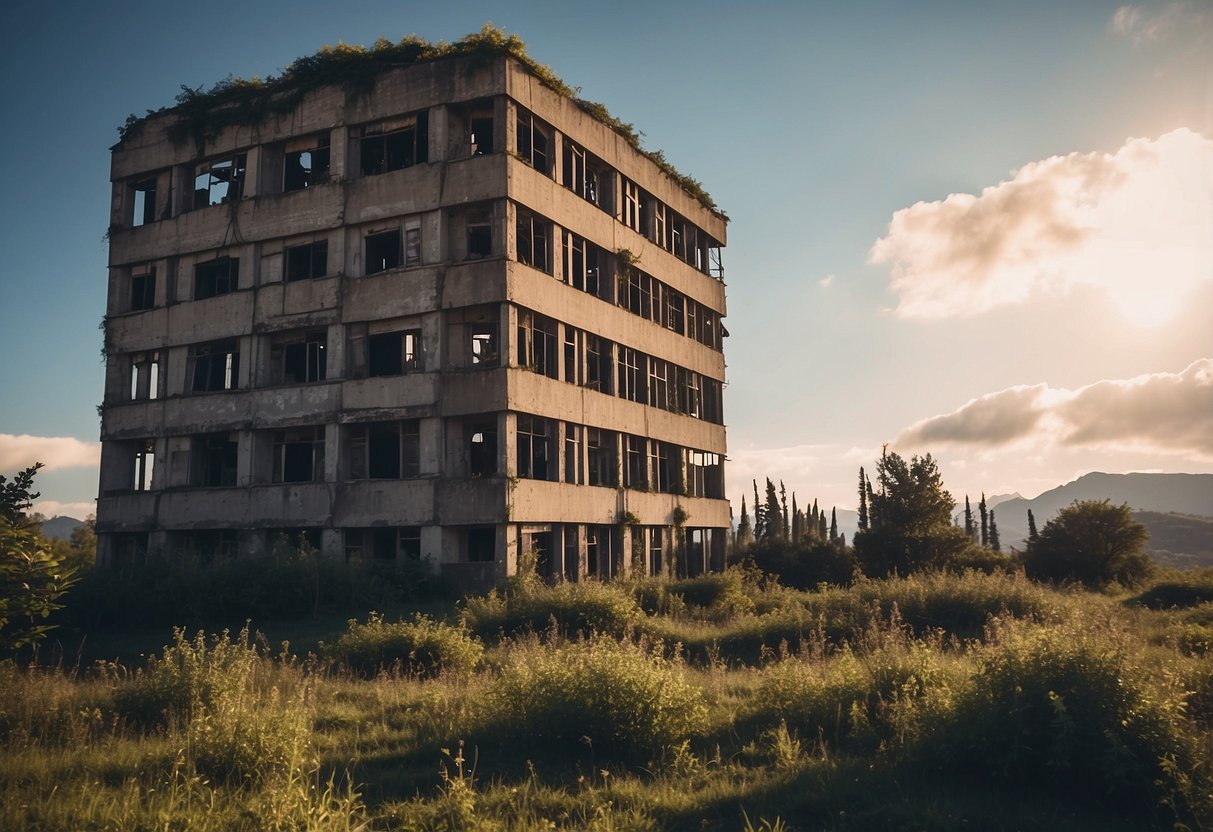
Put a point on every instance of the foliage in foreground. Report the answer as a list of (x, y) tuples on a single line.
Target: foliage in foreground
[(419, 647)]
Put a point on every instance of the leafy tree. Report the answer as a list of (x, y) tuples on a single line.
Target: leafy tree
[(1092, 542), (31, 580), (910, 519)]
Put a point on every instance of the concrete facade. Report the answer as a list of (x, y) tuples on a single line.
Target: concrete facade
[(455, 319)]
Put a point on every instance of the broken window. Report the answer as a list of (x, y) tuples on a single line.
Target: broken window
[(689, 398), (382, 544), (534, 142), (143, 288), (412, 245), (219, 182), (145, 375), (659, 385), (299, 454), (307, 261), (480, 136), (634, 467), (144, 194), (214, 366), (144, 463), (633, 375), (220, 276), (572, 354), (537, 343), (713, 401), (582, 264), (482, 544), (661, 461), (678, 236), (574, 465), (482, 449), (395, 144), (655, 213), (583, 174), (299, 358), (631, 205), (533, 235), (306, 162), (213, 460), (480, 234), (483, 344), (382, 251), (656, 536), (534, 448), (384, 450), (636, 292), (674, 319), (599, 363), (600, 457), (393, 353), (704, 474)]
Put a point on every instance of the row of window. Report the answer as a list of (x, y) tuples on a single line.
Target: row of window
[(546, 449)]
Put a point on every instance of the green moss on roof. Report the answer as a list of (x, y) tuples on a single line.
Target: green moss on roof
[(201, 115)]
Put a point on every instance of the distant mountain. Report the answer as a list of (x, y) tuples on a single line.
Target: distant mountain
[(999, 499), (1156, 496), (1184, 540), (60, 528)]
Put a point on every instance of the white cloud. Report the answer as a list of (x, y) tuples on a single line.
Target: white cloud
[(54, 508), (1126, 19), (1160, 412), (1134, 223), (19, 452), (826, 281), (1142, 24)]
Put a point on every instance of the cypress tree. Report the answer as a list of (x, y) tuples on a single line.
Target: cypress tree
[(797, 525), (995, 543), (985, 520), (970, 530), (863, 501), (743, 528), (1032, 535), (821, 526), (873, 518), (760, 524), (774, 518), (833, 524), (783, 499)]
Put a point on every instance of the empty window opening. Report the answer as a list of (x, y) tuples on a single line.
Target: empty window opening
[(484, 344), (384, 450), (656, 535), (307, 261), (482, 449), (573, 339), (393, 353), (143, 288), (662, 458), (213, 460), (306, 163), (534, 450), (214, 366), (532, 241), (582, 264), (634, 468), (534, 142), (574, 464), (481, 133), (382, 251), (395, 144), (482, 545), (659, 385), (145, 375), (600, 457), (219, 182), (144, 202), (537, 343), (382, 544), (299, 454), (599, 362), (145, 462), (630, 215), (704, 474), (216, 277), (633, 375), (300, 360), (412, 245), (480, 234)]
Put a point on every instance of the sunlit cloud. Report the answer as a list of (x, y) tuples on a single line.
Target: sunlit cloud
[(1142, 24), (1160, 412), (20, 452), (1134, 223), (826, 281), (54, 508)]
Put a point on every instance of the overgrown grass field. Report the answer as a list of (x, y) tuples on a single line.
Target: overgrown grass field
[(720, 702)]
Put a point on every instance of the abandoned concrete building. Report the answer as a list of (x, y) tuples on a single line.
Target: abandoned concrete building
[(455, 318)]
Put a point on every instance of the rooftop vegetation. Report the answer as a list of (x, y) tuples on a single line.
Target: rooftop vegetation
[(202, 114)]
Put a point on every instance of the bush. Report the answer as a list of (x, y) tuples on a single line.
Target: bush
[(1188, 589), (622, 700), (576, 609), (803, 565), (721, 594), (1092, 542), (421, 647)]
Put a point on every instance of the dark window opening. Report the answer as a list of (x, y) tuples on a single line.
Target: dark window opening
[(145, 202), (480, 235), (634, 473), (482, 135), (482, 450), (532, 242), (534, 449), (143, 290), (484, 344), (307, 261), (306, 163), (412, 246), (299, 455), (382, 251), (213, 460), (144, 464), (395, 144), (598, 363), (393, 353), (482, 545), (600, 457), (384, 450), (215, 367), (216, 277), (574, 465), (537, 343), (300, 361), (145, 375), (533, 142), (218, 182)]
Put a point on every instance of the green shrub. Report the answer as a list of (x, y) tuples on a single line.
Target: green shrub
[(1068, 710), (803, 565), (576, 608), (1190, 589), (721, 595), (420, 647), (622, 700)]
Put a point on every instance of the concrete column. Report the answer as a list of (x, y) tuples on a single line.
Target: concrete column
[(338, 152)]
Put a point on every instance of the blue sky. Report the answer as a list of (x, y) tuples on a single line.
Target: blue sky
[(1054, 321)]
